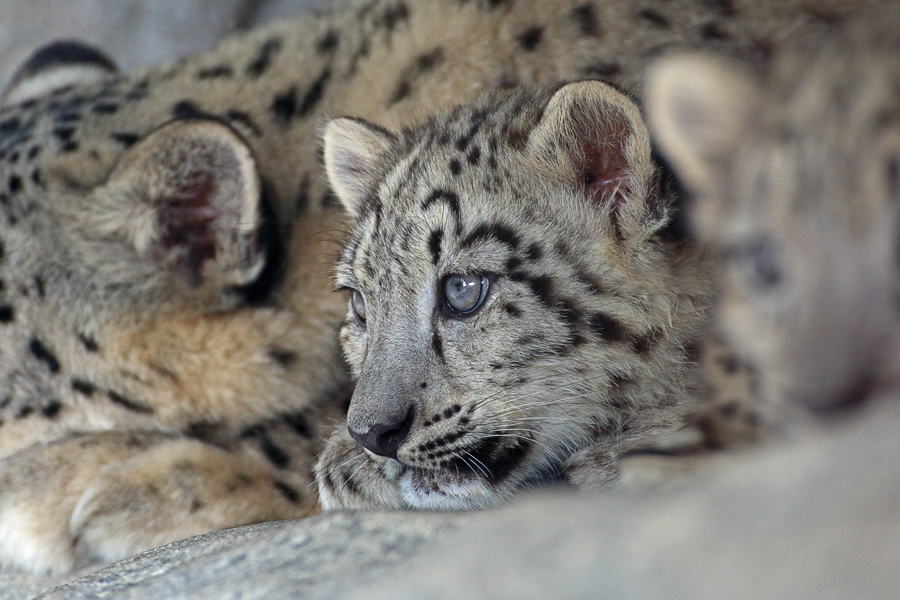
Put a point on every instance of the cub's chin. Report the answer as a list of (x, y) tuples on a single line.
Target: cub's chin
[(446, 490)]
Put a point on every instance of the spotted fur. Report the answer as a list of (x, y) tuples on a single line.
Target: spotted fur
[(795, 172), (165, 237), (580, 350)]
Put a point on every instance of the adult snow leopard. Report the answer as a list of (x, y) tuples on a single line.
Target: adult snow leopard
[(169, 361)]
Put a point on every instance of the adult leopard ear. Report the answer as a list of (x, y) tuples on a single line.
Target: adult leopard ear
[(592, 136), (699, 108), (57, 65), (353, 150), (186, 197)]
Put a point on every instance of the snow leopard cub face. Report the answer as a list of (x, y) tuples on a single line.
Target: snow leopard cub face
[(513, 299)]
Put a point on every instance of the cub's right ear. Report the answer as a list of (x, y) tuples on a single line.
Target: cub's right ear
[(353, 151), (698, 107)]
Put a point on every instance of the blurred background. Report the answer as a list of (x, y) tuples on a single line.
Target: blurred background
[(133, 33)]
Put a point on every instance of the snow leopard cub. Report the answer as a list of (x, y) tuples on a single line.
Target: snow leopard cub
[(797, 180), (518, 308)]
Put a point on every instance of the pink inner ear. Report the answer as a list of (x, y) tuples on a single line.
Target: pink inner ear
[(187, 223), (604, 170)]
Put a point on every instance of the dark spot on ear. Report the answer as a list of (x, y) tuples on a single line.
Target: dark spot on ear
[(530, 38)]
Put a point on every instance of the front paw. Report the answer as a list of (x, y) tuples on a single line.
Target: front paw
[(39, 488), (177, 490), (351, 478)]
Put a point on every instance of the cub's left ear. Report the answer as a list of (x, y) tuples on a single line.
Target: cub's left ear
[(187, 197), (353, 150), (593, 137)]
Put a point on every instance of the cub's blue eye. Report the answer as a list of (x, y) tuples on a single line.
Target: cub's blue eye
[(465, 293), (358, 303)]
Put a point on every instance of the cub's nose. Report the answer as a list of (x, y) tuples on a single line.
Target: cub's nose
[(385, 439)]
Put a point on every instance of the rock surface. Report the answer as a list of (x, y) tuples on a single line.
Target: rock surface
[(816, 518), (322, 557)]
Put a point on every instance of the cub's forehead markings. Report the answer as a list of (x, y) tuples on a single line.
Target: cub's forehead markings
[(450, 199)]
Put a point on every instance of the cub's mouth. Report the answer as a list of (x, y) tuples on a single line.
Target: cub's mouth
[(477, 475)]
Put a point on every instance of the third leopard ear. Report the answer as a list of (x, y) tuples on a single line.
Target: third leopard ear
[(698, 108)]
